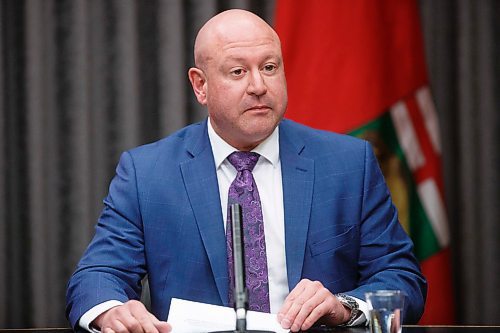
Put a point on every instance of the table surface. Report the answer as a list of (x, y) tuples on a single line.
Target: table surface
[(406, 329)]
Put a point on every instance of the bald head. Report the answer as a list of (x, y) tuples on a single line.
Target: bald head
[(239, 76), (226, 28)]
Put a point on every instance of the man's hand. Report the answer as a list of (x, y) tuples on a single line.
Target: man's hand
[(130, 317), (308, 303)]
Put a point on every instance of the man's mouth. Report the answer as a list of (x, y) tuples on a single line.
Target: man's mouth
[(259, 107)]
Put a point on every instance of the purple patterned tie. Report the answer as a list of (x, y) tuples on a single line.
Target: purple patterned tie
[(243, 191)]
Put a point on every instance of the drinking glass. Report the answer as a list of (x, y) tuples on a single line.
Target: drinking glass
[(386, 308)]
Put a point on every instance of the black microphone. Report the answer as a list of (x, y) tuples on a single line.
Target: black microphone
[(240, 290)]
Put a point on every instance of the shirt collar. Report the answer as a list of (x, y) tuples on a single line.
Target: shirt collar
[(269, 148)]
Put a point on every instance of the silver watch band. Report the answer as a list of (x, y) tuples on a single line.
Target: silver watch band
[(350, 303)]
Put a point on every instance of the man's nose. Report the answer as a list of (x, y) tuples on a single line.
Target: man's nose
[(256, 85)]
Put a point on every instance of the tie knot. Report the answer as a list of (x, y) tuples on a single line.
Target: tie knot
[(243, 160)]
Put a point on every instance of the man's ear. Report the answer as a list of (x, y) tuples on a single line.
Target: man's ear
[(199, 83)]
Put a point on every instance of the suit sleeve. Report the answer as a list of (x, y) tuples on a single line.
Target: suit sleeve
[(386, 259), (114, 263)]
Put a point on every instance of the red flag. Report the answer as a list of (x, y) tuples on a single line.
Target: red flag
[(358, 67)]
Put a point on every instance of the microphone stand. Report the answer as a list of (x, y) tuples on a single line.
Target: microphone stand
[(240, 290)]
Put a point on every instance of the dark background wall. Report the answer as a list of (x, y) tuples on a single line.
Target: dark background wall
[(83, 80)]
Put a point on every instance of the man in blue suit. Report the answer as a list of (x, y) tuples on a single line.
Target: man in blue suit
[(331, 230)]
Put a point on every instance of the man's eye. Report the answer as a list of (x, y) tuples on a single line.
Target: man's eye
[(237, 71), (269, 68)]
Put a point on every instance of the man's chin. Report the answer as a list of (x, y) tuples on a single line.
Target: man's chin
[(253, 139)]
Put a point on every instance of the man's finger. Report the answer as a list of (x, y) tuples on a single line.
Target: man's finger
[(164, 327), (118, 326), (302, 301), (287, 304), (299, 288), (130, 322), (145, 321), (161, 326), (309, 311), (319, 311), (290, 300)]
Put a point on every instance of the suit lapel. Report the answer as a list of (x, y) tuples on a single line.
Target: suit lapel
[(298, 178), (200, 180)]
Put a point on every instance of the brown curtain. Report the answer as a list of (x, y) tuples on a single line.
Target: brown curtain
[(83, 80)]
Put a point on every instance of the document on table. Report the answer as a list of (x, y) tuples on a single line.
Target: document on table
[(194, 317)]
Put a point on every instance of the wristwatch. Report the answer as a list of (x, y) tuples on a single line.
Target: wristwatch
[(350, 303)]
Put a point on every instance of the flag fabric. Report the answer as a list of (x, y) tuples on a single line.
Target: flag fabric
[(358, 67)]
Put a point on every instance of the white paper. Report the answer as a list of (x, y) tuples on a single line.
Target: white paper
[(194, 317)]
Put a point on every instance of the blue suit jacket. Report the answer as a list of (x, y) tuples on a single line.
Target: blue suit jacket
[(163, 217)]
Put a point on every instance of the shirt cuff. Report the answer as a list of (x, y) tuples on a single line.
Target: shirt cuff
[(363, 318), (89, 316)]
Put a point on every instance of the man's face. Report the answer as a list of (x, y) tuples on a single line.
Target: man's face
[(245, 87)]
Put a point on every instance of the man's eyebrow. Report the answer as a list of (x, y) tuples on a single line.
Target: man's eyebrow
[(275, 57)]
